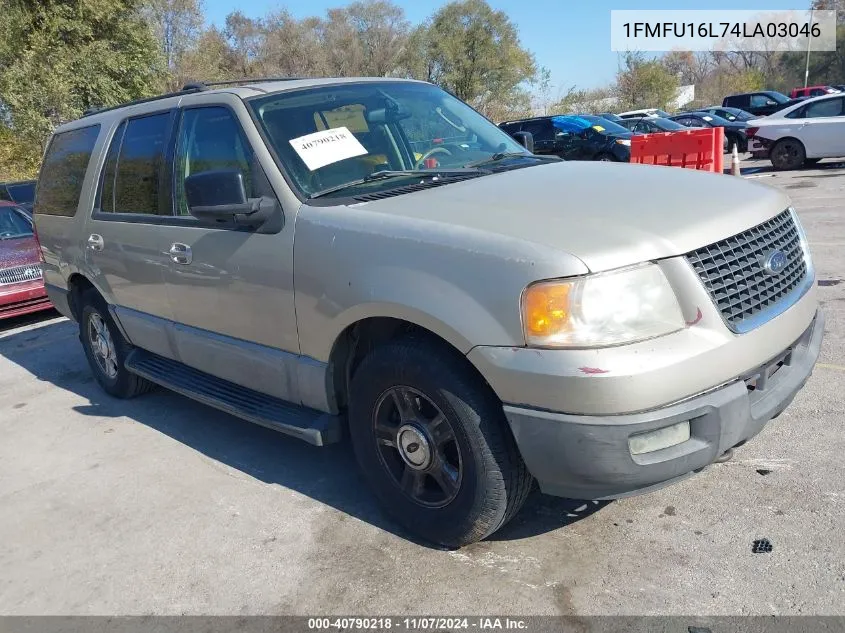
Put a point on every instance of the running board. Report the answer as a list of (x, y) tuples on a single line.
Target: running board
[(315, 427)]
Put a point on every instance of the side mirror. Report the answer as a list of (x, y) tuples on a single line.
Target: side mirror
[(220, 196), (526, 139)]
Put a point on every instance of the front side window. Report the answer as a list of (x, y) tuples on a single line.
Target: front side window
[(210, 139), (332, 136), (63, 171), (827, 107), (760, 101), (132, 176), (541, 130)]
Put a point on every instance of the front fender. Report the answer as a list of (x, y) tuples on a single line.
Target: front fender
[(462, 284)]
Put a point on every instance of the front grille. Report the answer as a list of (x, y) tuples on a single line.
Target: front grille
[(19, 274), (733, 270)]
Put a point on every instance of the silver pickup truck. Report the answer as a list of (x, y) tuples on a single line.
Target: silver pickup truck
[(372, 261)]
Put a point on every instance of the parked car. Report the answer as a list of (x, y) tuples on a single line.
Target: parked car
[(637, 114), (21, 285), (761, 103), (611, 117), (839, 87), (729, 114), (276, 250), (22, 193), (576, 137), (734, 130), (801, 134), (813, 91), (651, 125)]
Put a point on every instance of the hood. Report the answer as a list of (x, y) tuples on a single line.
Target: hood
[(607, 214), (19, 251)]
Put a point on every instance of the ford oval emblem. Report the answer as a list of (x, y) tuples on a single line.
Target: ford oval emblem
[(775, 262)]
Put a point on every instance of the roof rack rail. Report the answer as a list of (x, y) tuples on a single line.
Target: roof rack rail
[(188, 89), (207, 85)]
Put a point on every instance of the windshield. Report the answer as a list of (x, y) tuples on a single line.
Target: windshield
[(327, 137), (666, 124), (13, 223), (24, 192)]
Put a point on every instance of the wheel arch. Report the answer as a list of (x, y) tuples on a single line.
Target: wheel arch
[(363, 335)]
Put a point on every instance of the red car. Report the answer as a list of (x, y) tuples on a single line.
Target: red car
[(21, 285), (812, 91)]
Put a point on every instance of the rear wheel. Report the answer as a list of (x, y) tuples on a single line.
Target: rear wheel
[(787, 154), (609, 158), (433, 443), (106, 349)]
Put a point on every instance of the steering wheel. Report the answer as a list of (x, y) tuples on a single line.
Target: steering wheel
[(430, 153)]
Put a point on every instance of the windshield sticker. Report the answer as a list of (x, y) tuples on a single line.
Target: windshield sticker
[(326, 147)]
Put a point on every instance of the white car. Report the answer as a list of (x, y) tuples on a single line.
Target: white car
[(645, 112), (801, 134)]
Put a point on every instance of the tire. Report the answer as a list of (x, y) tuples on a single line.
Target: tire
[(95, 316), (489, 482), (787, 154), (606, 158)]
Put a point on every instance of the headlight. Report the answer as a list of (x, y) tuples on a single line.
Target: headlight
[(624, 141), (622, 306), (802, 238)]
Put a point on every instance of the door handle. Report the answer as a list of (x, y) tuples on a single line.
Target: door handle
[(181, 253), (95, 242)]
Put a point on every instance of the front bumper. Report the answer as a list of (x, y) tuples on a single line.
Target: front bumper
[(23, 298), (588, 457)]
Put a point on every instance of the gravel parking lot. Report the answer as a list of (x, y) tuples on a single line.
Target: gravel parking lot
[(160, 505)]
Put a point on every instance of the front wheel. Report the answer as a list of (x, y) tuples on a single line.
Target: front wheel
[(433, 443), (787, 154), (607, 158)]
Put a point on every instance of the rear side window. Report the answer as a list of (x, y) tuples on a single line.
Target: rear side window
[(824, 108), (63, 171), (132, 176)]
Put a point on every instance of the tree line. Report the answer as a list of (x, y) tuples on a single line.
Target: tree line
[(59, 58)]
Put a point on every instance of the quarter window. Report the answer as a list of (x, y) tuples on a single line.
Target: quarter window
[(63, 171)]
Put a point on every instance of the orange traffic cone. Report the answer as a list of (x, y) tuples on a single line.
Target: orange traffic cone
[(735, 162)]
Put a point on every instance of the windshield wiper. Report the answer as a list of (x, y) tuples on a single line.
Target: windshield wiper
[(385, 174), (495, 158)]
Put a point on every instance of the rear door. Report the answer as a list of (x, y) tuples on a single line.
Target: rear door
[(822, 128), (124, 250), (230, 288)]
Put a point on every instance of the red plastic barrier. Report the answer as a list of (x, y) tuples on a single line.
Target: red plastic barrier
[(692, 149)]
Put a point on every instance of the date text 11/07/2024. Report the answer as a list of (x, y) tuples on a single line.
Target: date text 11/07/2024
[(417, 623), (721, 29)]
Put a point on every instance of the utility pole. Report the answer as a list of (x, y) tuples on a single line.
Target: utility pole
[(809, 39)]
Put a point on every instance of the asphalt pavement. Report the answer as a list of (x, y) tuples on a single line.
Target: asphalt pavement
[(160, 505)]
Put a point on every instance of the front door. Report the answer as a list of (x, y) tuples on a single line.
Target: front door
[(124, 242), (230, 288)]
